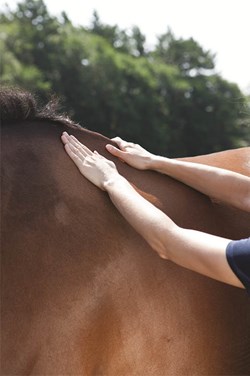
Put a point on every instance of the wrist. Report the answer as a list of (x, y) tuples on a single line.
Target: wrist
[(160, 164), (152, 162), (113, 181)]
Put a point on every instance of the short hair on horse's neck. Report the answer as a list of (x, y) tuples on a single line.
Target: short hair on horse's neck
[(20, 105)]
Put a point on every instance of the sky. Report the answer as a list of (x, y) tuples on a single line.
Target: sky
[(221, 26)]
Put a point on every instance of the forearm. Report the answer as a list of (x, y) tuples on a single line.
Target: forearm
[(223, 185), (191, 249), (220, 184), (151, 223)]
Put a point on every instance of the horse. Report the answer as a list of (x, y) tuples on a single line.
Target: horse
[(82, 292)]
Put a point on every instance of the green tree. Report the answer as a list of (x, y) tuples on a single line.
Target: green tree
[(170, 99), (27, 39), (188, 55), (205, 117), (131, 42)]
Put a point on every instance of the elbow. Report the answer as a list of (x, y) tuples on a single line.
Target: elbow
[(163, 254), (163, 239), (160, 248), (244, 203), (244, 197)]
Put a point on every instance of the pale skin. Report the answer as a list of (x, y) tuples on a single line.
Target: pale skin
[(197, 251)]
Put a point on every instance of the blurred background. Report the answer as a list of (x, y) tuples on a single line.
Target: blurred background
[(172, 76)]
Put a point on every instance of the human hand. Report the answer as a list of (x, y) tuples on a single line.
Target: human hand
[(92, 165), (132, 154)]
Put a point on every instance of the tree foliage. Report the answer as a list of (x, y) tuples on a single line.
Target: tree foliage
[(169, 99)]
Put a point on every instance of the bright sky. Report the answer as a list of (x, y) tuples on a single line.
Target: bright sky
[(221, 26)]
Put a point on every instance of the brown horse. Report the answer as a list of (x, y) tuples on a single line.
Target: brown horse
[(82, 293)]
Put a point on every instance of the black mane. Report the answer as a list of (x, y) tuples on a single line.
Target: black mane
[(19, 105)]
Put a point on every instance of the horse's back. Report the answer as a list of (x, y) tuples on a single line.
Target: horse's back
[(83, 294), (237, 160)]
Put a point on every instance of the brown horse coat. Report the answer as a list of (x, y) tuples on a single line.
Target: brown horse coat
[(83, 294)]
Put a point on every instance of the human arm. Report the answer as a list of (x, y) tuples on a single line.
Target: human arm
[(223, 185), (194, 250), (191, 249)]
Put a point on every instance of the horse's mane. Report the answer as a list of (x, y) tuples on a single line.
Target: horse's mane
[(20, 105)]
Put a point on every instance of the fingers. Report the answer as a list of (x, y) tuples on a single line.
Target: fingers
[(120, 142), (64, 138), (72, 153), (78, 152), (114, 151), (70, 139), (123, 145)]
